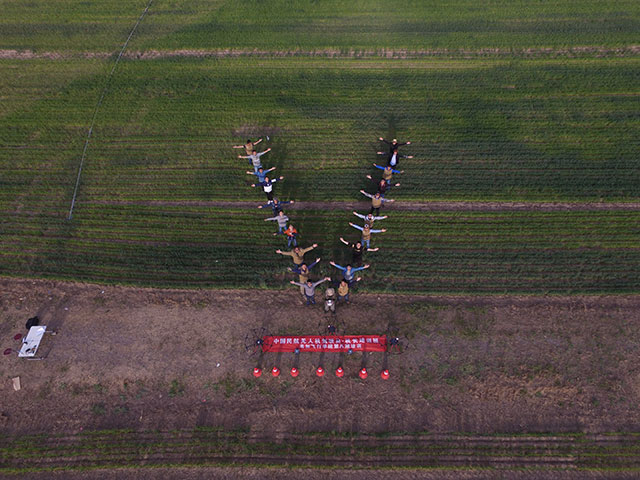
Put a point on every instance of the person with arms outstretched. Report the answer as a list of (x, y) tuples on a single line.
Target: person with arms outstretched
[(393, 145), (303, 272), (376, 201), (249, 147), (357, 250), (366, 232), (394, 157), (369, 218), (282, 220), (387, 173), (348, 271), (276, 205), (254, 158), (310, 289), (261, 173), (267, 186), (297, 254)]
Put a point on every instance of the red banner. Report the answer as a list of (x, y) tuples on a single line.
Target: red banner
[(325, 343)]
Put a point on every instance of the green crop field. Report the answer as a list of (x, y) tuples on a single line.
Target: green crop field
[(504, 102)]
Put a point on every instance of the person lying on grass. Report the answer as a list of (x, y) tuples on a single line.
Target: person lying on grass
[(394, 157), (376, 201), (276, 205), (384, 186), (310, 289), (348, 271), (292, 236), (303, 272), (366, 232), (249, 147), (297, 254), (357, 249), (267, 186), (393, 144), (261, 173), (282, 220), (254, 158), (369, 217), (387, 173)]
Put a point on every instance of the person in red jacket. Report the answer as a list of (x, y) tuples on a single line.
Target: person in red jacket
[(291, 234)]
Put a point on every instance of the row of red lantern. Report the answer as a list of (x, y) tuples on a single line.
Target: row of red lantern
[(275, 371)]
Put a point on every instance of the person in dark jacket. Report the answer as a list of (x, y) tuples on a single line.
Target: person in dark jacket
[(394, 157), (393, 144), (267, 186), (357, 249), (276, 205)]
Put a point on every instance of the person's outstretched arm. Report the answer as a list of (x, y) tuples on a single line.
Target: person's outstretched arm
[(288, 254), (373, 249), (384, 141), (271, 218), (252, 173), (382, 230), (296, 283), (339, 267), (344, 241), (320, 281), (271, 169), (359, 268), (262, 153), (378, 166), (359, 215), (356, 226), (243, 156), (314, 263), (366, 194), (257, 142), (308, 249)]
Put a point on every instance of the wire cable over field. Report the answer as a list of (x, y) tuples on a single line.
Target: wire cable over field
[(95, 110)]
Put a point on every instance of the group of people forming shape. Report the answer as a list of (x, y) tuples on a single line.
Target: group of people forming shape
[(285, 227)]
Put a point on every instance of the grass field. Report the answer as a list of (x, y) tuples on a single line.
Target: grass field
[(319, 24), (507, 126)]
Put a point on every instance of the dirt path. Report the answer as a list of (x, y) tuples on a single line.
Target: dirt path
[(468, 206), (147, 359), (171, 367), (594, 50)]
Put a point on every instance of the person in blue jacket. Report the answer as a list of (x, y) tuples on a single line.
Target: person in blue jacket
[(348, 271)]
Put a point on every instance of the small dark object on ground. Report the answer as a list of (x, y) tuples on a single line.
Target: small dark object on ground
[(32, 322)]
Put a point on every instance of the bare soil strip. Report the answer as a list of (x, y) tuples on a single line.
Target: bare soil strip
[(463, 206), (594, 50)]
